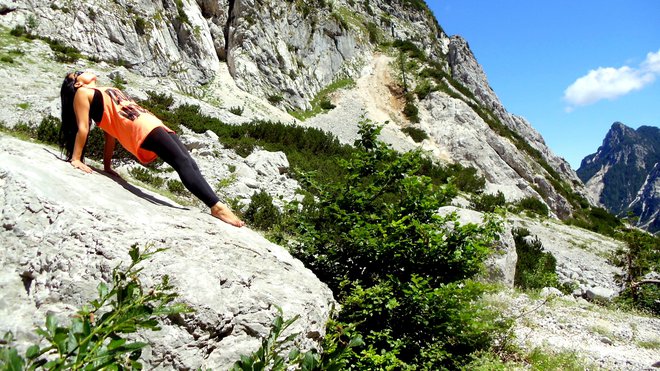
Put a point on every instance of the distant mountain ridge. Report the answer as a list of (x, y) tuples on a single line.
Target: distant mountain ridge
[(623, 173)]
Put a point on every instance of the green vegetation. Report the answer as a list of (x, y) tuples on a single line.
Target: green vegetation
[(268, 356), (238, 110), (417, 134), (309, 7), (488, 202), (62, 53), (640, 257), (535, 268), (598, 220), (275, 99), (321, 102), (532, 205), (118, 81), (145, 176), (177, 188), (99, 336), (402, 278), (261, 213)]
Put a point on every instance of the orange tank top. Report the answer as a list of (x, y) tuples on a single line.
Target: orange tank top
[(129, 123)]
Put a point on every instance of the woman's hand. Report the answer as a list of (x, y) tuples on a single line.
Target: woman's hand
[(111, 172), (80, 165)]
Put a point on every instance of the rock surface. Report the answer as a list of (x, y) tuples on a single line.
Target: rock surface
[(624, 173), (603, 339), (285, 53), (63, 231)]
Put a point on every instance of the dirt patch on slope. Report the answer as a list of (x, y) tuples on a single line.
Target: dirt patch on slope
[(382, 95)]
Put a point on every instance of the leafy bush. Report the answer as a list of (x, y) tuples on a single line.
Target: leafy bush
[(275, 99), (375, 34), (488, 202), (144, 175), (177, 188), (401, 275), (423, 89), (533, 205), (416, 134), (640, 257), (238, 110), (98, 336), (48, 130), (411, 111), (598, 220), (535, 268), (268, 356), (261, 213), (468, 180), (24, 129), (326, 104)]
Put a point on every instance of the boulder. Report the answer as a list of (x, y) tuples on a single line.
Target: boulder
[(63, 231)]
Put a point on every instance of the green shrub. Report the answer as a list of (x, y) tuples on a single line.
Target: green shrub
[(100, 336), (416, 134), (411, 112), (177, 188), (119, 82), (24, 129), (467, 179), (144, 175), (423, 89), (261, 213), (140, 25), (640, 257), (326, 104), (238, 110), (63, 53), (596, 219), (488, 202), (275, 99), (535, 268), (401, 276), (268, 356), (533, 205), (48, 130), (374, 32)]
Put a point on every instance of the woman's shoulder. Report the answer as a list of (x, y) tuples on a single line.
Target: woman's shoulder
[(85, 93)]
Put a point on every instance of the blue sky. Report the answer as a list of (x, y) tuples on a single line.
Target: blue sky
[(570, 67)]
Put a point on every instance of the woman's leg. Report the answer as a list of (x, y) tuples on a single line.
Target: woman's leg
[(169, 148)]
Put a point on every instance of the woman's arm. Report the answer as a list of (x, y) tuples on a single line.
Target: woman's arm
[(81, 103), (108, 151)]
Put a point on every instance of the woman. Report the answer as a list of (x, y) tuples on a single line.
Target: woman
[(139, 131)]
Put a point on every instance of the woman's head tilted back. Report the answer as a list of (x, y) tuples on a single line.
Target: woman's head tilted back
[(69, 128)]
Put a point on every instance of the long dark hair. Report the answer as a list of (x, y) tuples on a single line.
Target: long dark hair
[(69, 128)]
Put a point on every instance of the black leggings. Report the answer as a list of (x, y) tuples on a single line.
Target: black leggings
[(169, 148)]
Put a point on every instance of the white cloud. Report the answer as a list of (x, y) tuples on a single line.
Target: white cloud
[(652, 62), (611, 83)]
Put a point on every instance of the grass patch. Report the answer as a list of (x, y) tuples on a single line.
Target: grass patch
[(417, 134), (321, 101), (653, 344)]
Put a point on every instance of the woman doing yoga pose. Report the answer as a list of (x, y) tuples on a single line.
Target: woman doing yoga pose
[(139, 131)]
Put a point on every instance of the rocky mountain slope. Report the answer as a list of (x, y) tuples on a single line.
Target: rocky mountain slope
[(63, 231), (286, 52), (266, 57), (623, 173)]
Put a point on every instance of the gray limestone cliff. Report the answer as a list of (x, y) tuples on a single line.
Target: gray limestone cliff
[(64, 231), (285, 53), (623, 173)]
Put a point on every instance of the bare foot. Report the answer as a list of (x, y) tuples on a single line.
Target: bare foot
[(223, 213)]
